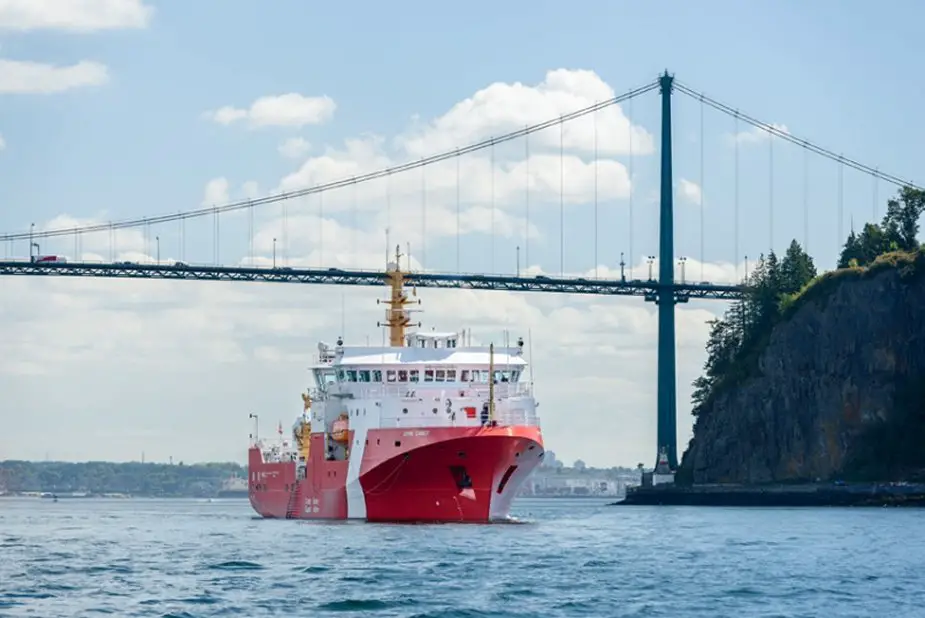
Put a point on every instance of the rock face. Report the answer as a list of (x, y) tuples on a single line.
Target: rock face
[(839, 392)]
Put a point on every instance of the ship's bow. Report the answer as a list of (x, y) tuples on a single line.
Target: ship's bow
[(449, 474)]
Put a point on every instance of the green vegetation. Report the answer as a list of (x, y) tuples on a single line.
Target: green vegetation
[(897, 232), (738, 337), (778, 288), (137, 479)]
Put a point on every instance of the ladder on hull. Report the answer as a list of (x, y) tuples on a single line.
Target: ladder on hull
[(295, 496)]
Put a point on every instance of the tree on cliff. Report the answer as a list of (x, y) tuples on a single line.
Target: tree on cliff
[(746, 324), (897, 232), (736, 339), (797, 269)]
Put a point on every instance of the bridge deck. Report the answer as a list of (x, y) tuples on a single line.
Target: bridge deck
[(335, 276)]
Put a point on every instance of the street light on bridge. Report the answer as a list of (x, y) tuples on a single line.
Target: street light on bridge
[(681, 261), (256, 434), (651, 260)]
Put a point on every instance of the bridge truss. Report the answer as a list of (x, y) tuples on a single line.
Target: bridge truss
[(647, 289)]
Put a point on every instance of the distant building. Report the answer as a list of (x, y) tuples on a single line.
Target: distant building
[(567, 485)]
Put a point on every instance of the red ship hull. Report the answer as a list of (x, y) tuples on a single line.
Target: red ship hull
[(468, 474)]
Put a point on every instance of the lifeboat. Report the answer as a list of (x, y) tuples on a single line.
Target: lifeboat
[(339, 429)]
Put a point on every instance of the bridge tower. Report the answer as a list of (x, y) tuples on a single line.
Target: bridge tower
[(666, 297)]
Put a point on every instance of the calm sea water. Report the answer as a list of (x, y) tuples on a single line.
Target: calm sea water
[(190, 558)]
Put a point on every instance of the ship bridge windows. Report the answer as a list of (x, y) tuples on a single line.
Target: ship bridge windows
[(323, 378), (480, 376), (392, 376)]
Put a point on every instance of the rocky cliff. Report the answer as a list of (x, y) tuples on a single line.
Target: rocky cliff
[(837, 392)]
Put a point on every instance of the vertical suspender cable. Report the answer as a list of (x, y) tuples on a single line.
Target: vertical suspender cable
[(702, 257), (595, 196), (735, 137), (492, 251), (632, 188), (561, 199)]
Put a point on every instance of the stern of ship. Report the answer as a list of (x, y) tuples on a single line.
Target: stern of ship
[(269, 484)]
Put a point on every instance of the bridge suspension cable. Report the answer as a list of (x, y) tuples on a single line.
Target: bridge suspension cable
[(337, 184), (808, 145)]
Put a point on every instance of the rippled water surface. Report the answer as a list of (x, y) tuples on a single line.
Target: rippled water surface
[(569, 558)]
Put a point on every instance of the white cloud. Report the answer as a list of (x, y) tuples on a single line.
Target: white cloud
[(216, 192), (194, 358), (756, 135), (173, 368), (2, 143), (74, 15), (690, 190), (502, 187), (286, 110), (502, 108), (294, 147), (21, 77), (250, 189)]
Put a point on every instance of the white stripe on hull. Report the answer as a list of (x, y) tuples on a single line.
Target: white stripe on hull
[(499, 506), (356, 499)]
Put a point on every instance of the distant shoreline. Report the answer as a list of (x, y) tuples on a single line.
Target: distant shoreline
[(804, 495), (49, 496)]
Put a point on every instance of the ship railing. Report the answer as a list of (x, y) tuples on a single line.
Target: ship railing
[(416, 390), (510, 417), (284, 457), (276, 453)]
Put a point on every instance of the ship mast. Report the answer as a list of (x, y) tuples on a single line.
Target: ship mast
[(397, 317), (491, 382)]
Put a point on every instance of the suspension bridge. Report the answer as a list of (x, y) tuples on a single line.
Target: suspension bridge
[(661, 284)]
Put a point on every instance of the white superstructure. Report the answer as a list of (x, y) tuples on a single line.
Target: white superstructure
[(423, 380), (434, 385)]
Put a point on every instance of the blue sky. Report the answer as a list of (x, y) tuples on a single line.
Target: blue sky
[(830, 71), (842, 74)]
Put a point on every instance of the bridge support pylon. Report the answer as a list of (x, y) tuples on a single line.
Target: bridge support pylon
[(666, 298)]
